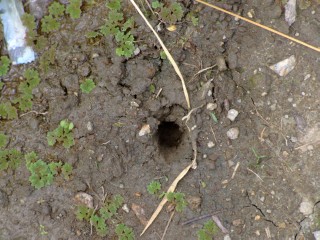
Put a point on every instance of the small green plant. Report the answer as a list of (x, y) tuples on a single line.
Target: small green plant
[(10, 159), (169, 13), (3, 140), (37, 42), (25, 89), (62, 134), (208, 231), (124, 232), (48, 58), (163, 55), (87, 86), (177, 199), (4, 65), (42, 173), (258, 157), (56, 9), (7, 111), (51, 22), (119, 28), (74, 8), (99, 218), (42, 230), (152, 88), (154, 187)]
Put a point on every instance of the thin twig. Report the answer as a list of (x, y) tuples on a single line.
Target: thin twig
[(167, 226), (199, 218), (170, 58), (203, 70), (255, 174), (37, 113), (261, 26), (235, 170), (219, 224)]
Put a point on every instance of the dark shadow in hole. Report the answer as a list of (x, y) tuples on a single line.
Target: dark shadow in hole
[(169, 134)]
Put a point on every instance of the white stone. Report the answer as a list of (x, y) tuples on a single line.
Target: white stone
[(232, 114), (144, 130), (306, 207), (233, 133), (89, 126), (211, 144), (212, 106), (125, 208)]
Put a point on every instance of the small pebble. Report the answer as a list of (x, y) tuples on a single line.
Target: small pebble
[(227, 237), (144, 130), (306, 207), (268, 211), (125, 208), (221, 63), (89, 126), (237, 222), (212, 106), (136, 51), (310, 148), (232, 114), (84, 198), (95, 55), (257, 217), (233, 133), (134, 104), (211, 144), (307, 77)]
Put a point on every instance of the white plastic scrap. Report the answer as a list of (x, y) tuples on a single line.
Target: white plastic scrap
[(14, 32), (290, 12), (284, 67), (316, 235)]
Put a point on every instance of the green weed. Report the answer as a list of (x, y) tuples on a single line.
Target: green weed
[(25, 88), (62, 134), (120, 28), (177, 199), (74, 8), (3, 140), (99, 218), (42, 230), (7, 111), (124, 232), (4, 65), (258, 157), (208, 231), (33, 39), (154, 187), (51, 22), (87, 86), (169, 13), (10, 159), (48, 58), (42, 173)]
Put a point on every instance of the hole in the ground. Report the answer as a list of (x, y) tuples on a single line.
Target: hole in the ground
[(169, 134)]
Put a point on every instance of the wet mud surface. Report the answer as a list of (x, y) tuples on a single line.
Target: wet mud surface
[(274, 197)]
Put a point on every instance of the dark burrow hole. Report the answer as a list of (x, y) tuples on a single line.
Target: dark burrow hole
[(169, 134)]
